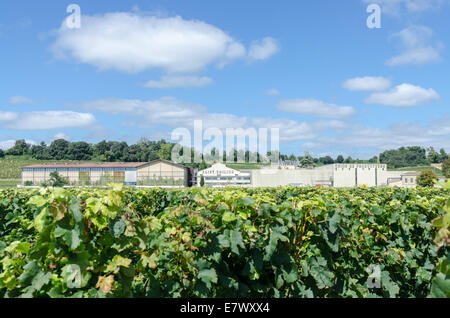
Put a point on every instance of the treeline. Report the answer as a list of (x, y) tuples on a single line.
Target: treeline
[(412, 156), (107, 151), (146, 150)]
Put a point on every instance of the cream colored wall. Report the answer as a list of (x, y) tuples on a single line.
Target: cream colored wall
[(38, 177), (162, 170), (284, 177)]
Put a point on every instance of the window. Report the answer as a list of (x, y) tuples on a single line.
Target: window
[(119, 176), (84, 177)]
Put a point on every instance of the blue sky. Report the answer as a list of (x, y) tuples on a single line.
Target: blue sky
[(313, 69)]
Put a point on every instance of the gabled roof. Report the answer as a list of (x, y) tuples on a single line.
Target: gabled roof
[(411, 173), (166, 161)]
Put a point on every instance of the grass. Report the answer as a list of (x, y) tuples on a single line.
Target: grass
[(246, 165), (9, 183)]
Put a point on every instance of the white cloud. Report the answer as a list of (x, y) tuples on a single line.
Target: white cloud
[(61, 136), (416, 56), (7, 144), (416, 48), (404, 95), (165, 111), (315, 107), (262, 50), (272, 92), (367, 84), (48, 120), (397, 135), (174, 113), (20, 100), (133, 42), (179, 81), (396, 7), (7, 116)]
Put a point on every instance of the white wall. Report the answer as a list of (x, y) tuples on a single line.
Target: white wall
[(284, 177)]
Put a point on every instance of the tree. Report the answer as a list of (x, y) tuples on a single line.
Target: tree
[(427, 178), (404, 157), (340, 159), (165, 152), (348, 160), (443, 155), (446, 168), (56, 180), (326, 160), (202, 166), (58, 149), (80, 151), (40, 151), (307, 161), (20, 148), (202, 181), (2, 154), (118, 150), (433, 156)]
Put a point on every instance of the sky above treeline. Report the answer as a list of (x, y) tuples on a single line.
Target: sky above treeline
[(313, 69)]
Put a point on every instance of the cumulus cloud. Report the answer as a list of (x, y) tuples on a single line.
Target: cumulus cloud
[(7, 116), (272, 92), (61, 136), (179, 81), (397, 135), (416, 48), (49, 120), (20, 100), (316, 108), (404, 95), (367, 84), (7, 144), (133, 42), (166, 111), (174, 113), (264, 49), (396, 7)]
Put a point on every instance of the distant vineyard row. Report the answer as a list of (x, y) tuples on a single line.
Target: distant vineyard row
[(286, 242)]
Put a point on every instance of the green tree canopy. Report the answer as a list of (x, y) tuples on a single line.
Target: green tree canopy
[(59, 149), (427, 178), (446, 168), (20, 148)]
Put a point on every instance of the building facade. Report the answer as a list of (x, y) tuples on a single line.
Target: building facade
[(336, 175), (219, 175), (156, 173), (409, 180)]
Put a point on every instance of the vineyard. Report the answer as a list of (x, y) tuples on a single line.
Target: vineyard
[(285, 242)]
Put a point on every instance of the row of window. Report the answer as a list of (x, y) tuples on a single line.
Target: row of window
[(75, 169), (227, 179), (412, 180)]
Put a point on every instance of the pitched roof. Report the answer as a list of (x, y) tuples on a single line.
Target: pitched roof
[(411, 173)]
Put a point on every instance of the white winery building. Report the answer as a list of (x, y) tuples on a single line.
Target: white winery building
[(335, 175), (219, 175)]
